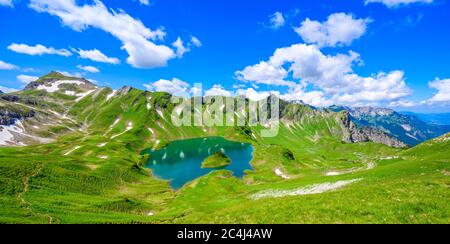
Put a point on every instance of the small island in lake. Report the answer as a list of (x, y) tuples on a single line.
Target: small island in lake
[(216, 160)]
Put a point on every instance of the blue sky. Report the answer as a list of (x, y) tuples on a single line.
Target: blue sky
[(391, 53)]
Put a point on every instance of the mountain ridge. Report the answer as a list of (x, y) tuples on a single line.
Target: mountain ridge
[(57, 96)]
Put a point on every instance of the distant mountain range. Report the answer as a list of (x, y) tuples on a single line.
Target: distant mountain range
[(433, 118), (410, 128)]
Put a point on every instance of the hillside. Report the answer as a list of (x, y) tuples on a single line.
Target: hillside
[(83, 164)]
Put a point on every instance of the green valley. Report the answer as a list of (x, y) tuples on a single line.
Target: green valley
[(72, 153)]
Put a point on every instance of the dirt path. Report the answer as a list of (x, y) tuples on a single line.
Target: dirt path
[(26, 183)]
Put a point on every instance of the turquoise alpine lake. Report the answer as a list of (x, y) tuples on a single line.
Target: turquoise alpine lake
[(180, 161)]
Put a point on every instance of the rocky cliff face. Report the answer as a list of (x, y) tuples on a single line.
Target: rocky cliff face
[(9, 116), (352, 133)]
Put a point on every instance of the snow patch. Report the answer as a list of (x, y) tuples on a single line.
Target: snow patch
[(129, 127), (112, 94), (370, 165), (115, 123), (102, 144), (151, 131), (6, 133), (160, 113), (281, 174), (83, 95), (54, 86), (156, 144), (70, 93), (69, 152), (406, 127), (413, 137), (390, 157)]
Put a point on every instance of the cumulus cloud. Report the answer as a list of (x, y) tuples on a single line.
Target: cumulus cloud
[(402, 104), (137, 40), (26, 78), (69, 74), (277, 20), (97, 56), (180, 48), (218, 90), (7, 89), (38, 50), (144, 2), (8, 3), (7, 66), (396, 3), (264, 73), (443, 91), (90, 69), (314, 98), (196, 42), (174, 86), (254, 95), (338, 29), (331, 77)]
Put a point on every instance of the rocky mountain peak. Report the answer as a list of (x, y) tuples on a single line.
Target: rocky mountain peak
[(56, 81)]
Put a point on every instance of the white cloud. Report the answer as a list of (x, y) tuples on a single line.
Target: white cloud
[(144, 2), (338, 29), (331, 77), (180, 48), (7, 66), (396, 3), (264, 73), (7, 89), (97, 56), (373, 89), (238, 86), (254, 95), (26, 78), (138, 40), (218, 90), (38, 50), (314, 98), (69, 74), (277, 20), (402, 104), (90, 69), (443, 91), (174, 86), (8, 3), (196, 42)]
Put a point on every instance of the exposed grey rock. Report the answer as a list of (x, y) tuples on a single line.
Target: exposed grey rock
[(354, 134), (9, 116), (124, 90)]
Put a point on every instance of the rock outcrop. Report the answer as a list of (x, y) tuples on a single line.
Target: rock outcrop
[(352, 133)]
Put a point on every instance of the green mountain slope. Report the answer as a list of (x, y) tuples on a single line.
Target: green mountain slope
[(92, 170)]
